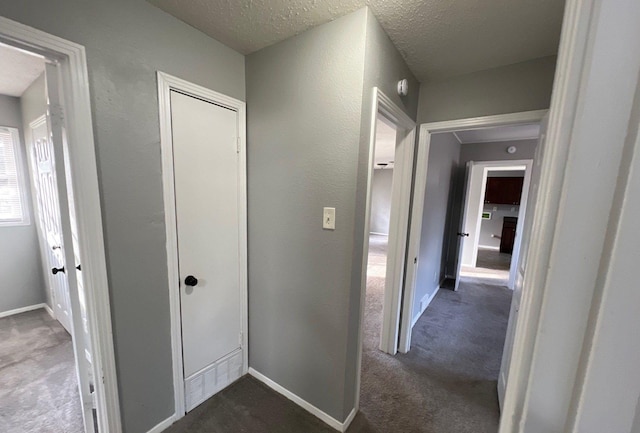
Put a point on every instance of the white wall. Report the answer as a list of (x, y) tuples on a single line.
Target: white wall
[(21, 279), (381, 200)]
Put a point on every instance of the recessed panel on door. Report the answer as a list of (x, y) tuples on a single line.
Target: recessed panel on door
[(206, 177)]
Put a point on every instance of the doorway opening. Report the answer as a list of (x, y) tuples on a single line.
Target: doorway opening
[(58, 367), (462, 309), (495, 199)]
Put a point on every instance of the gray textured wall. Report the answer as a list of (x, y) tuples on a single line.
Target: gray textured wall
[(303, 136), (381, 201), (436, 218), (508, 89), (127, 41), (21, 282), (384, 67), (308, 151)]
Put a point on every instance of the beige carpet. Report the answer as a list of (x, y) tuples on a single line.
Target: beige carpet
[(38, 387)]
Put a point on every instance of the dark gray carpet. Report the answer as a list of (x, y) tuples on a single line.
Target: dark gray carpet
[(38, 387), (445, 384)]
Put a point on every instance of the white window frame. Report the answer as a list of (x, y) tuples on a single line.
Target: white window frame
[(22, 181)]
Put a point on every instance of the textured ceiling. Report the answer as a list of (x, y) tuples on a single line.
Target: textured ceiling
[(438, 38), (18, 71)]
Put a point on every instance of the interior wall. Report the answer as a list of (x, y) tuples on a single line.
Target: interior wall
[(126, 42), (384, 67), (381, 201), (303, 136), (508, 89), (495, 151), (21, 279), (491, 229), (444, 154)]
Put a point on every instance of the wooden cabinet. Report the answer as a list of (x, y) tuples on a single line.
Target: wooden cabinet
[(508, 234), (503, 190)]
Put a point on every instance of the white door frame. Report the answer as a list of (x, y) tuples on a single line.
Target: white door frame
[(72, 63), (167, 83), (420, 182), (478, 190), (398, 224)]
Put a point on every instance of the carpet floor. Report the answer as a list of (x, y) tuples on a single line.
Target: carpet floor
[(38, 387), (445, 384)]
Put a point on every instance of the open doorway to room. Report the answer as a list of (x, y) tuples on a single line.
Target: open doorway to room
[(498, 224), (57, 366), (381, 197), (36, 326), (460, 305)]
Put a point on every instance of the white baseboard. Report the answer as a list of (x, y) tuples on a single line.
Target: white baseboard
[(426, 300), (379, 234), (488, 247), (328, 419), (163, 425), (22, 310), (49, 310)]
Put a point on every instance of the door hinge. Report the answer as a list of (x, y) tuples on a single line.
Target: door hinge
[(239, 145), (56, 112)]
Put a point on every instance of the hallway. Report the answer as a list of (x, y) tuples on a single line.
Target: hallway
[(447, 382)]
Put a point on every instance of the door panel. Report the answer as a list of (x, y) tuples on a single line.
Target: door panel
[(207, 185), (48, 213), (463, 232)]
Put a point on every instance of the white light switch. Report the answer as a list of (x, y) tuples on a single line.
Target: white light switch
[(329, 218)]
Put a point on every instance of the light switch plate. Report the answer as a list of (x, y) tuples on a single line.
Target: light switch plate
[(329, 218)]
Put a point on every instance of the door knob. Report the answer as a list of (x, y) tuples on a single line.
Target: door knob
[(462, 235), (79, 267), (191, 280), (56, 270)]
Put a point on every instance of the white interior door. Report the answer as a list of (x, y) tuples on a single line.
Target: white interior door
[(208, 214), (47, 208), (522, 260), (68, 247), (462, 234)]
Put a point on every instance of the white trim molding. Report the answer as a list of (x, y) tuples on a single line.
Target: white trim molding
[(167, 83), (72, 62), (425, 301), (318, 413), (23, 310), (163, 425)]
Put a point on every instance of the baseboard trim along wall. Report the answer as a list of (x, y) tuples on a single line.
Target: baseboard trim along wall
[(425, 301), (22, 310), (49, 310), (328, 419), (489, 247), (379, 234), (163, 425)]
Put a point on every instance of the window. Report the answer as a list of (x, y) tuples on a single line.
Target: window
[(13, 201)]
